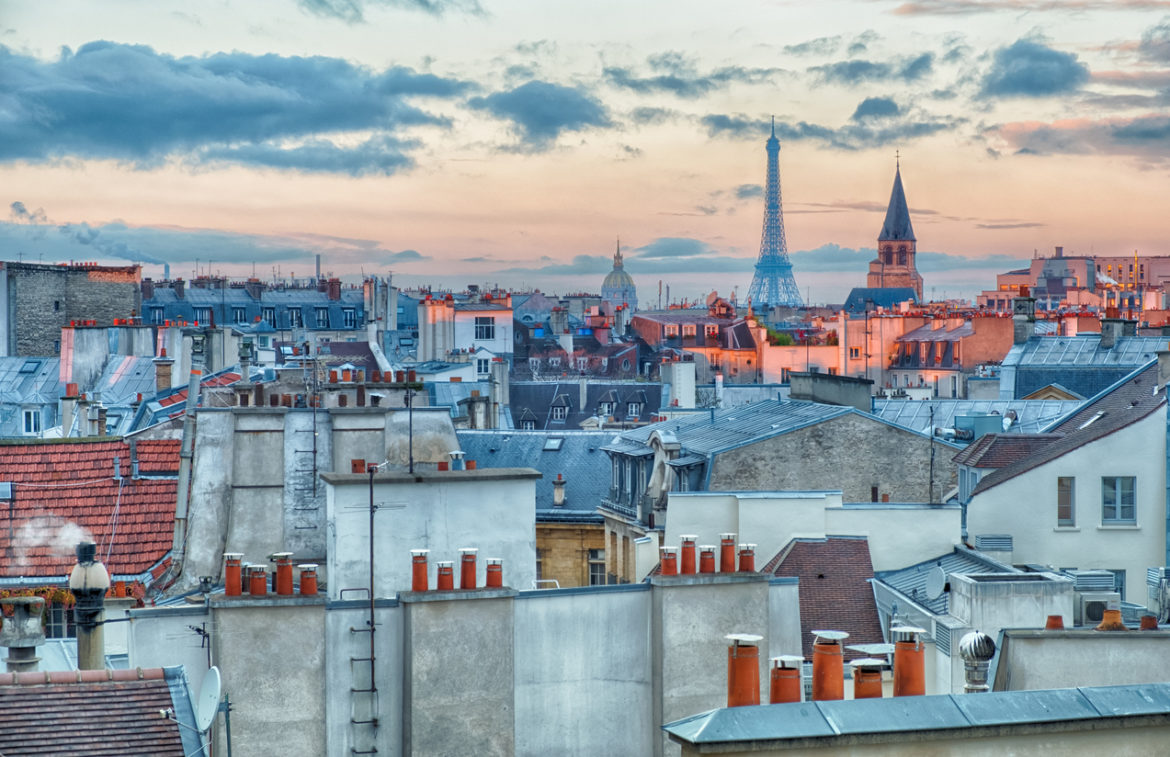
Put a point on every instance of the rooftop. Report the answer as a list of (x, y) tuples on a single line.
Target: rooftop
[(911, 581), (1032, 416)]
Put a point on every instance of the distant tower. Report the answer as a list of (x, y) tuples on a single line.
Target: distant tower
[(618, 287), (773, 284), (897, 246)]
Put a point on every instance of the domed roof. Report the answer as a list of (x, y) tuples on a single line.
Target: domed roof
[(617, 279)]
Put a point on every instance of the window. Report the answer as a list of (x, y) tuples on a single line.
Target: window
[(534, 364), (156, 316), (1066, 510), (554, 362), (596, 567), (854, 353), (294, 318), (605, 408), (712, 330), (540, 564), (59, 622), (688, 329), (582, 363), (528, 425), (785, 375), (670, 330), (56, 306), (560, 412), (634, 409), (239, 315), (348, 318), (553, 444), (485, 327), (203, 315), (483, 366), (269, 316), (32, 422), (322, 318), (1118, 499)]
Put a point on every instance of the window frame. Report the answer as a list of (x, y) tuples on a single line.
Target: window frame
[(239, 315), (349, 318), (596, 560), (560, 412), (296, 318), (322, 316), (485, 328), (268, 315), (30, 421), (483, 366), (1066, 501), (1113, 487)]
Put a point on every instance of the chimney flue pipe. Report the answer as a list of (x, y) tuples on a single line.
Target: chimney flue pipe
[(828, 665), (747, 558), (284, 573), (22, 633), (495, 573), (445, 581), (784, 685), (308, 579), (976, 648), (867, 678), (726, 553), (418, 570), (467, 567), (89, 582), (687, 554), (669, 561), (707, 558), (743, 669), (233, 585), (909, 661)]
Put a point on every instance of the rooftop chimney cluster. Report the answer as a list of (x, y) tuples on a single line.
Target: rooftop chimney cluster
[(238, 575), (445, 571), (681, 560)]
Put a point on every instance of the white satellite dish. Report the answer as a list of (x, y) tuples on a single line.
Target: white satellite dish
[(936, 582), (207, 705)]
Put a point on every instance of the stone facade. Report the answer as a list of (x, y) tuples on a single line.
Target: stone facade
[(564, 551), (39, 299)]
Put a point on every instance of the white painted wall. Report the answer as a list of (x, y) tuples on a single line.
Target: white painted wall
[(1025, 507), (899, 536)]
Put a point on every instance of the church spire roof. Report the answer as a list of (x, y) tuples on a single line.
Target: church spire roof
[(617, 255), (897, 226)]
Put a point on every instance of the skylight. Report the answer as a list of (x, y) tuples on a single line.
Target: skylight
[(1089, 422), (553, 444)]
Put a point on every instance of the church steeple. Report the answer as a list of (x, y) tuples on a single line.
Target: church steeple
[(617, 254), (897, 226)]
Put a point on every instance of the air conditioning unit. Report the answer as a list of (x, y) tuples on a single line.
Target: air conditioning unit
[(1091, 606)]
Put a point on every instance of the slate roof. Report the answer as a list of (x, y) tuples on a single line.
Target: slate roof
[(1031, 415), (911, 581), (860, 719), (172, 403), (897, 225), (96, 712), (223, 301), (998, 450), (883, 297), (835, 594), (1128, 401), (927, 333), (538, 398), (1078, 363), (65, 490), (586, 469), (27, 382)]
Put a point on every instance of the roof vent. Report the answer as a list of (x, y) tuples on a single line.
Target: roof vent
[(993, 542)]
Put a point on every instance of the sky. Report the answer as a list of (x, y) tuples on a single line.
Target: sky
[(514, 142)]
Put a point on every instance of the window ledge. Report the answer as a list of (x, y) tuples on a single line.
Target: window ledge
[(1119, 527), (1067, 528)]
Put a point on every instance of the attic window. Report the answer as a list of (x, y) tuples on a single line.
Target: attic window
[(30, 366), (1090, 422), (553, 444)]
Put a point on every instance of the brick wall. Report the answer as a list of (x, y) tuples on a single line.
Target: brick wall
[(44, 298)]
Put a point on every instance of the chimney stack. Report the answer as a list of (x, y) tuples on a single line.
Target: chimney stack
[(743, 669), (909, 661), (784, 686), (308, 579), (867, 678), (89, 582), (446, 577), (1111, 328), (828, 665), (257, 580), (233, 584), (559, 491), (162, 371), (976, 648), (687, 561), (467, 567), (1023, 317), (418, 570), (22, 633), (669, 561), (284, 573), (747, 558), (726, 553), (707, 558), (495, 573)]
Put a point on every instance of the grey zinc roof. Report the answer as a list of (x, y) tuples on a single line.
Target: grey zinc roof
[(911, 581), (586, 469), (829, 719), (1084, 350), (1031, 415), (883, 297)]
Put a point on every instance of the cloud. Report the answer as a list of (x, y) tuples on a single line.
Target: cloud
[(581, 265), (1028, 68), (747, 191), (676, 74), (132, 104), (928, 262), (353, 11), (652, 115), (672, 248), (21, 214), (1155, 42), (1146, 137), (540, 111), (853, 72), (831, 257), (1005, 226), (405, 255), (851, 136), (818, 46), (875, 107)]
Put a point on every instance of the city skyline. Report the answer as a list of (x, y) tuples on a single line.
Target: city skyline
[(513, 144)]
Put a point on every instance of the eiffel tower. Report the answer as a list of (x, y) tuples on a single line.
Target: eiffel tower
[(773, 284)]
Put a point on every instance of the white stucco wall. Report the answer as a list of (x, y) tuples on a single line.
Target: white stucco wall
[(1025, 507), (898, 535)]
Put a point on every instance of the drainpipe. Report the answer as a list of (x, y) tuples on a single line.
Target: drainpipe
[(186, 453)]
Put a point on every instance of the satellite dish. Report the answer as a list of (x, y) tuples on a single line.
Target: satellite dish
[(936, 582), (207, 705)]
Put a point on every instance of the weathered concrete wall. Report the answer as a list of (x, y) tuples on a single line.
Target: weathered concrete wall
[(271, 656), (899, 536), (434, 436), (211, 495), (557, 675), (1010, 601), (257, 486), (852, 453), (1036, 659), (458, 668), (832, 390), (345, 670), (44, 298), (159, 637), (358, 434), (490, 509), (783, 621), (691, 615)]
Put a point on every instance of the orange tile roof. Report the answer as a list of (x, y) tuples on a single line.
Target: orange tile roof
[(65, 491)]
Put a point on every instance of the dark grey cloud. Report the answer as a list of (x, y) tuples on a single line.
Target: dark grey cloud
[(646, 115), (672, 248), (861, 42), (818, 46), (667, 255), (875, 107), (676, 74), (132, 104), (353, 11), (21, 214), (378, 155), (833, 257), (1155, 42), (541, 111), (854, 72), (404, 256), (851, 136), (1145, 137), (747, 191), (929, 262), (1028, 68)]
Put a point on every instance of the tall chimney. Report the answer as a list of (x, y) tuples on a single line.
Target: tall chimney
[(669, 561), (559, 491), (23, 633), (784, 685), (909, 661), (743, 669), (467, 567), (162, 371), (976, 648), (727, 553), (1023, 317), (1111, 328), (687, 557), (88, 582), (418, 569), (828, 665)]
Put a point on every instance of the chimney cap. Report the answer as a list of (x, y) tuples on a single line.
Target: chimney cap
[(308, 566), (670, 550), (420, 552), (831, 635), (744, 638), (688, 537), (495, 561), (867, 662), (909, 630), (279, 555), (727, 536), (708, 547), (445, 563), (976, 646), (747, 545), (785, 659), (468, 550), (233, 555)]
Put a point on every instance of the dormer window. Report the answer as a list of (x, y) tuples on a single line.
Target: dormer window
[(634, 409), (560, 412)]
